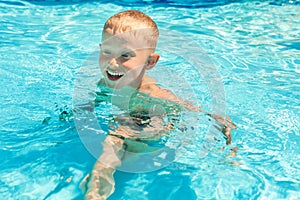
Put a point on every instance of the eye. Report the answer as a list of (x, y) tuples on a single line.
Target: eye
[(106, 52), (126, 56)]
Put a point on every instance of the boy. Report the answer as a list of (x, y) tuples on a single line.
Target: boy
[(127, 51)]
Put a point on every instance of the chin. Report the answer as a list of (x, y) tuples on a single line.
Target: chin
[(115, 86)]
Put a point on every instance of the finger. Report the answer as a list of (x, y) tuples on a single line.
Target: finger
[(227, 134), (230, 123), (233, 125)]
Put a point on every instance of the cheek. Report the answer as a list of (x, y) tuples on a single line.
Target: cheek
[(134, 72), (102, 59), (134, 63)]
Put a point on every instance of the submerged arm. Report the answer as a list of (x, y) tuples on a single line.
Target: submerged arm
[(101, 181), (224, 124)]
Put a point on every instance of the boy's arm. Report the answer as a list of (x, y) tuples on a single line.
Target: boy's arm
[(157, 92), (225, 125), (101, 182)]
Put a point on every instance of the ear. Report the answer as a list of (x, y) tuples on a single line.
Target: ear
[(152, 60)]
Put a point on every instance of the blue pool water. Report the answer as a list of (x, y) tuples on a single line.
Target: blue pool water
[(255, 47)]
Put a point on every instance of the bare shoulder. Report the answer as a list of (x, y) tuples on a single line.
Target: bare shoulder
[(148, 80), (150, 87)]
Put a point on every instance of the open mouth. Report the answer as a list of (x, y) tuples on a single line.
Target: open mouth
[(114, 75)]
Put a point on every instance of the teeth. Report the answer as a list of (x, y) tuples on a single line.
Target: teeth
[(115, 73)]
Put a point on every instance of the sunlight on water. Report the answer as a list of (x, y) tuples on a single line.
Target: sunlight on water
[(253, 44)]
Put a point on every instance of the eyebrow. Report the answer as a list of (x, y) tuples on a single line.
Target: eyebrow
[(130, 51)]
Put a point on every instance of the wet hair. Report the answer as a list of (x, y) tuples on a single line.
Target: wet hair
[(135, 22)]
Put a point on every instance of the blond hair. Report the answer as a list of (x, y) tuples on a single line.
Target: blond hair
[(133, 21)]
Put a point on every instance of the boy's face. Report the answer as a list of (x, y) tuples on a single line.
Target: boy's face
[(124, 60)]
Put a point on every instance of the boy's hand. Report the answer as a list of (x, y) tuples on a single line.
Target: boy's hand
[(223, 120), (225, 125)]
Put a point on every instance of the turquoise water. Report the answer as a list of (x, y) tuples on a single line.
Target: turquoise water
[(255, 46)]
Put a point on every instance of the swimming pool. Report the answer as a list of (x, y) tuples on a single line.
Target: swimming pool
[(254, 45)]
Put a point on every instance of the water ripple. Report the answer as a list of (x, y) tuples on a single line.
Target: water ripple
[(255, 47)]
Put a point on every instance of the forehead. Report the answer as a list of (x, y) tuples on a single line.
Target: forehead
[(109, 40), (129, 39)]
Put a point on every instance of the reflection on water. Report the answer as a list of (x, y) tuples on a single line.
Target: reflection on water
[(255, 47)]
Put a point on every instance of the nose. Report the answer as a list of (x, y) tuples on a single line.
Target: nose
[(114, 62)]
